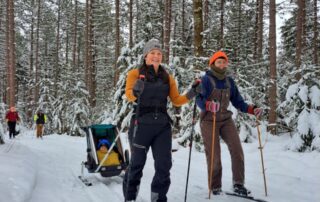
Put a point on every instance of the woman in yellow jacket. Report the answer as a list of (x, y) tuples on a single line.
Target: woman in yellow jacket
[(154, 123)]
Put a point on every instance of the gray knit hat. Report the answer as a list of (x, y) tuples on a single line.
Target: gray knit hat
[(152, 44)]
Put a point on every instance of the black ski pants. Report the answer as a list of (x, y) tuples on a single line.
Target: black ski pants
[(12, 128), (158, 137)]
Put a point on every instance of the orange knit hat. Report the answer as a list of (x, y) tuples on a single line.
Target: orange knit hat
[(216, 55)]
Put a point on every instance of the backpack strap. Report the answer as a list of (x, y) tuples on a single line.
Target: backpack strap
[(142, 71), (213, 82), (228, 82), (214, 85)]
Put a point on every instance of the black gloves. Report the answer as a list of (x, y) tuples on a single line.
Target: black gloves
[(195, 89), (138, 88)]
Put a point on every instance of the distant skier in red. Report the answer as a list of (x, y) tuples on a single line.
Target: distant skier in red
[(12, 117)]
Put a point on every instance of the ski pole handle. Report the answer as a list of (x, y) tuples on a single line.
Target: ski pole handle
[(196, 83), (142, 77)]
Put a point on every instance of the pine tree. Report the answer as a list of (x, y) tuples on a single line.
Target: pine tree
[(301, 110), (70, 110), (300, 95), (122, 109)]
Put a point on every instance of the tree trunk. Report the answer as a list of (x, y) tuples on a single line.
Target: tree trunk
[(256, 27), (93, 55), (170, 26), (315, 33), (175, 33), (221, 24), (75, 35), (11, 70), (183, 21), (89, 61), (90, 52), (237, 51), (8, 55), (117, 42), (137, 21), (304, 30), (57, 66), (46, 55), (198, 28), (13, 53), (260, 31), (299, 36), (67, 45), (87, 46), (36, 92), (79, 48), (206, 15), (167, 30), (30, 94), (2, 79), (273, 68), (130, 24)]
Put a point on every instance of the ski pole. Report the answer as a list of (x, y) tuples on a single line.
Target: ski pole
[(191, 141), (142, 77), (212, 151), (261, 155)]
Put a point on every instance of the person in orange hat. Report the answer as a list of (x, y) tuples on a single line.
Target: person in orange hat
[(218, 90), (11, 118)]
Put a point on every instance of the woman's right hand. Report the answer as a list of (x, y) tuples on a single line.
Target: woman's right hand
[(138, 88)]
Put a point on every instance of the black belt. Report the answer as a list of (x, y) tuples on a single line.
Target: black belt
[(153, 109)]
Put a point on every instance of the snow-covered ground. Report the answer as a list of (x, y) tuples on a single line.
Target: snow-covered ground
[(46, 170)]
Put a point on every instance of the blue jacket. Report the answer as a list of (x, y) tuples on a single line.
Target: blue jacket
[(235, 97)]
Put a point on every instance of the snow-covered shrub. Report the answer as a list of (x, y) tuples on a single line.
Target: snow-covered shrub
[(121, 108), (301, 111), (70, 109), (2, 126)]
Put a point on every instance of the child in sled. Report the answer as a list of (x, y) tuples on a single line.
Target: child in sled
[(113, 157)]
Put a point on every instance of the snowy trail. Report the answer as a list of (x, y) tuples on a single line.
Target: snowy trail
[(38, 170), (55, 171), (8, 146), (58, 169)]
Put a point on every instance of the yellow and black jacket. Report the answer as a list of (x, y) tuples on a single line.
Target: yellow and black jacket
[(155, 88)]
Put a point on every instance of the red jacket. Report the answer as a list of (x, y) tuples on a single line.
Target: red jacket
[(12, 116)]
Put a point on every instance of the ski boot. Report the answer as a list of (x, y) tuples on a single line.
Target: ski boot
[(241, 190), (216, 191)]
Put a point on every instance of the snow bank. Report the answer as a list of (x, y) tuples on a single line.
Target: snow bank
[(47, 171), (18, 171)]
